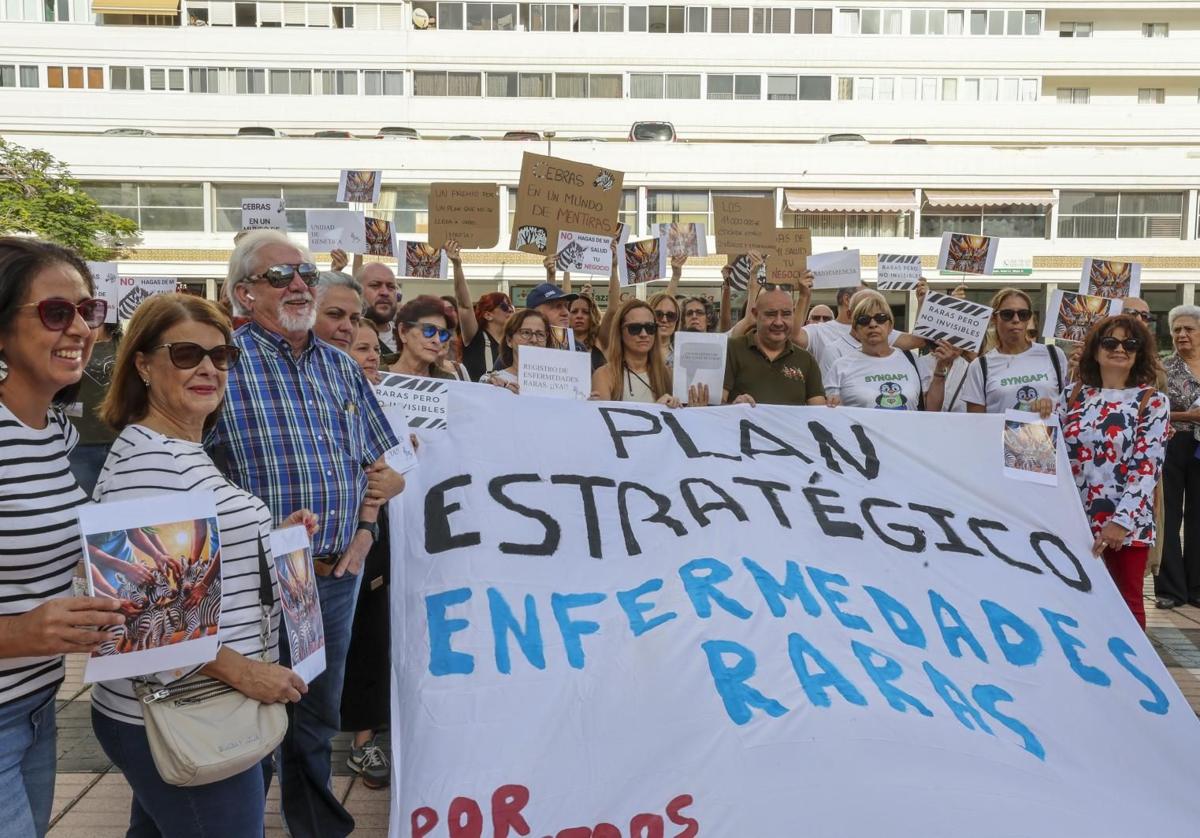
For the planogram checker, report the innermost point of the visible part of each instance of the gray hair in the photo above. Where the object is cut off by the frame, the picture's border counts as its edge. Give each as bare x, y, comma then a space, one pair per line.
1182, 311
245, 255
337, 279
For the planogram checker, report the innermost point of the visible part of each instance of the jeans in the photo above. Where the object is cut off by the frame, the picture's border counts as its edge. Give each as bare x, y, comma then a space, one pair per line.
86, 462
229, 808
28, 735
310, 808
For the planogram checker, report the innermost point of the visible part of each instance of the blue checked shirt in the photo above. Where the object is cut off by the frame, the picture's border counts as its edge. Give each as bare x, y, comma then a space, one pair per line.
298, 432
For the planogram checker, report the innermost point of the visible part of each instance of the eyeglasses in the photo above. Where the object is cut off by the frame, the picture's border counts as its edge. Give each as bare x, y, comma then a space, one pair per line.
1146, 317
1007, 314
529, 335
635, 329
666, 316
1111, 343
280, 276
866, 319
186, 355
57, 315
428, 330
819, 318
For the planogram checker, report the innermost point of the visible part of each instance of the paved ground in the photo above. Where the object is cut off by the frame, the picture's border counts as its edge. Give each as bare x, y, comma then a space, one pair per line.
91, 799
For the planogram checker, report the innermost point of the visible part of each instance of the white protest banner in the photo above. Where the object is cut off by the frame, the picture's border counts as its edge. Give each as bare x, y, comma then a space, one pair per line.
644, 261
1112, 279
699, 359
1070, 316
135, 290
557, 373
153, 552
264, 214
292, 554
836, 269
675, 622
421, 260
1030, 447
336, 229
685, 239
584, 253
425, 401
897, 272
967, 253
960, 323
359, 186
104, 274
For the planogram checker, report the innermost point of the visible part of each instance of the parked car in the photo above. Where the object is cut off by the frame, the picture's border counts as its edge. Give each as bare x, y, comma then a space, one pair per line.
652, 132
258, 131
396, 132
334, 135
129, 132
522, 135
464, 137
911, 141
843, 138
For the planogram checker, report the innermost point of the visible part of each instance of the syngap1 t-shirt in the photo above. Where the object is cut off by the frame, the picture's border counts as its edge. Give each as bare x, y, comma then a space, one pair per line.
1014, 382
890, 383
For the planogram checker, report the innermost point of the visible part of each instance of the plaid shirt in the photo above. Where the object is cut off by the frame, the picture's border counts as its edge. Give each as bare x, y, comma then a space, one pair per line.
298, 433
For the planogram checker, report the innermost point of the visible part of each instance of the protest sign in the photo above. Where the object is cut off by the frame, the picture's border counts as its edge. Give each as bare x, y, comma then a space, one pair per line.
292, 554
468, 213
153, 552
104, 274
556, 194
423, 400
680, 617
264, 214
744, 225
836, 269
645, 261
699, 359
1070, 316
684, 239
1030, 447
968, 254
359, 186
584, 253
380, 239
897, 272
739, 272
135, 290
789, 261
420, 260
1108, 278
557, 373
336, 229
960, 323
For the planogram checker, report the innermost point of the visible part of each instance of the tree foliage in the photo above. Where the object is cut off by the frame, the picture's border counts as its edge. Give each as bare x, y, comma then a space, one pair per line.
38, 195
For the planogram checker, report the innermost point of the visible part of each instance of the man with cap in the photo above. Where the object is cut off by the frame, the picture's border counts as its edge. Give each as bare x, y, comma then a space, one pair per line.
554, 304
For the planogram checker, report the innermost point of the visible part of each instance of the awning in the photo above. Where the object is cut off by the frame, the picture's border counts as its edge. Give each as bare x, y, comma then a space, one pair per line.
135, 7
849, 200
988, 198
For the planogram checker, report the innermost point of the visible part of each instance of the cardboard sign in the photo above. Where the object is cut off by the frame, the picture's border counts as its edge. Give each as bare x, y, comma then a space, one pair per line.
1107, 278
684, 239
468, 213
1071, 316
264, 214
105, 277
135, 290
836, 269
584, 253
556, 194
379, 236
330, 230
744, 225
897, 272
699, 359
644, 261
968, 253
555, 373
420, 260
960, 323
788, 264
359, 186
291, 553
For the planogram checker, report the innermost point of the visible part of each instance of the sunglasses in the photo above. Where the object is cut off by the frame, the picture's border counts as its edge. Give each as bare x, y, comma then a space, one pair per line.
505, 305
428, 330
635, 329
1146, 317
1008, 314
867, 319
188, 356
668, 316
280, 276
57, 315
1128, 344
819, 318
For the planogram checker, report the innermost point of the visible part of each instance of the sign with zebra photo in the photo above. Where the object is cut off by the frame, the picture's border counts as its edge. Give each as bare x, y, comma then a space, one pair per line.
423, 400
291, 552
161, 556
897, 272
960, 323
584, 253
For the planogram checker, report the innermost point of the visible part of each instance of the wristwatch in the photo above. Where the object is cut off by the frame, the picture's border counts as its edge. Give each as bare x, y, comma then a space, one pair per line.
371, 527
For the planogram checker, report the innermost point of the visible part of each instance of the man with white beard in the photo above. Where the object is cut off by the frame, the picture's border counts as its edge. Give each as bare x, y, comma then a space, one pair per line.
300, 428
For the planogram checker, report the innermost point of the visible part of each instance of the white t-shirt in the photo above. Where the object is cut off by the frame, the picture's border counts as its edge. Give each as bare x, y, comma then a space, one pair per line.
1015, 382
952, 400
862, 380
831, 340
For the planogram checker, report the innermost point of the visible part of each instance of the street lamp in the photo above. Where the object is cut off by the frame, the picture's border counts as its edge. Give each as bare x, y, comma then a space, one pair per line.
550, 135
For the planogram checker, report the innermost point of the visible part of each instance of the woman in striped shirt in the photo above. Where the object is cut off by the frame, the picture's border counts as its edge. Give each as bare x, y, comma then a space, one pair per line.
167, 386
47, 317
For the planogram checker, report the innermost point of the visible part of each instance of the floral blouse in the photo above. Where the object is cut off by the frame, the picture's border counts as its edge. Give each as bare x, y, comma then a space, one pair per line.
1116, 441
1182, 388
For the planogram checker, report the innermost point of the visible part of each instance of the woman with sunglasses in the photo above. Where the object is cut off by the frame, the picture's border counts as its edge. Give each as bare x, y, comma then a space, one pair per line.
1114, 424
1018, 374
167, 387
48, 315
525, 328
423, 331
878, 375
635, 370
666, 314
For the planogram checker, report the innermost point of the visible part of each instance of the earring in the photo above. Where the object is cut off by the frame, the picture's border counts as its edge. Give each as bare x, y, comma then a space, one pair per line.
146, 381
3, 367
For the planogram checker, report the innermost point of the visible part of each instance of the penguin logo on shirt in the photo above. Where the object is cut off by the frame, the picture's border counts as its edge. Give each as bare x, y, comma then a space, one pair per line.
891, 397
1026, 396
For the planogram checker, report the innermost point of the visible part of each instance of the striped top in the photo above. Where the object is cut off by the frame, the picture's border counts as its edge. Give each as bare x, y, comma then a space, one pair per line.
39, 534
143, 462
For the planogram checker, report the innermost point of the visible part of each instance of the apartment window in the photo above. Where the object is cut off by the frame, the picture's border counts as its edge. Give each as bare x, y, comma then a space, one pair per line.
605, 86
245, 14
845, 88
1074, 95
227, 202
848, 21
407, 207
571, 85
916, 22
813, 22
126, 78
734, 20
154, 206
200, 79
339, 82
75, 78
534, 85
815, 88
864, 88
383, 82
1155, 30
1075, 29
450, 16
683, 86
1151, 95
247, 81
949, 90
937, 22
343, 17
955, 22
637, 19
697, 19
1126, 215
657, 86
1008, 221
437, 83
747, 87
1014, 22
664, 206
782, 88
978, 19
556, 17
851, 224
1033, 23
601, 18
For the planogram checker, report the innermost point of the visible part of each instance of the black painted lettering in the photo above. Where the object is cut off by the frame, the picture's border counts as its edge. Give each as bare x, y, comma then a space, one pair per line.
770, 490
978, 525
822, 511
619, 434
700, 511
685, 441
941, 517
916, 536
781, 449
1081, 582
868, 468
587, 488
662, 505
438, 537
549, 544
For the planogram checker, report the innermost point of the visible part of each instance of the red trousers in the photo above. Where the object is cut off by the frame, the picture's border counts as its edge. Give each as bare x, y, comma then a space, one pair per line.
1127, 566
